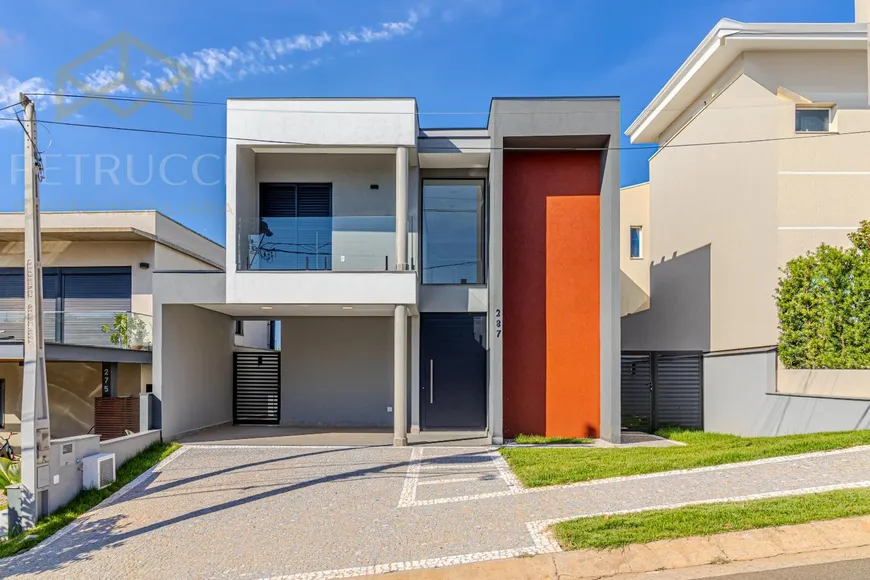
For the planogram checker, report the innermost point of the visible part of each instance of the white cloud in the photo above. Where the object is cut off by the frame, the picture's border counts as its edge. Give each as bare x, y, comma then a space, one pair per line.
10, 87
386, 31
255, 57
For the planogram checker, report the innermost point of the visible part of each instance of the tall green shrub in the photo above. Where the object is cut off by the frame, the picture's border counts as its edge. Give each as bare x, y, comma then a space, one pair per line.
823, 300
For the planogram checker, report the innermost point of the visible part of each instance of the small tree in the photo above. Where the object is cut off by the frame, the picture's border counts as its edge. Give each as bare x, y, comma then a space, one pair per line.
823, 300
127, 330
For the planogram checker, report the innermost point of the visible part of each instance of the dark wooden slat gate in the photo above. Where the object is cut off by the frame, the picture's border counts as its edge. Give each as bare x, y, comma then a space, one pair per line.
662, 389
256, 388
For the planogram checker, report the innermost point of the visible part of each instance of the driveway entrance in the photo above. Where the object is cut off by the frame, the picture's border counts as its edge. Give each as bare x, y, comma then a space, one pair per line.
308, 513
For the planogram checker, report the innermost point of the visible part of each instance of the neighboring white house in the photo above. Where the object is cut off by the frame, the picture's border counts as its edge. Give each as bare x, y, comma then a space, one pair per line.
763, 136
98, 270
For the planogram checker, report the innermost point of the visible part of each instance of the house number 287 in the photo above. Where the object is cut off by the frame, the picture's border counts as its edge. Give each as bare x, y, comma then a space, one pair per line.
498, 322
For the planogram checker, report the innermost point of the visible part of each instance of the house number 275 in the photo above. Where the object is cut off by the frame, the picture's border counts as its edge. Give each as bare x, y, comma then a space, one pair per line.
498, 322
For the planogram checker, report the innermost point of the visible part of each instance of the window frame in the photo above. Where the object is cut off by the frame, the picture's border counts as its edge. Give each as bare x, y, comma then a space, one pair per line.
815, 107
484, 234
639, 242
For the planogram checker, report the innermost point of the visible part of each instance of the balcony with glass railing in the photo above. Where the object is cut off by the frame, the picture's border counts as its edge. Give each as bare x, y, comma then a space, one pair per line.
326, 244
110, 329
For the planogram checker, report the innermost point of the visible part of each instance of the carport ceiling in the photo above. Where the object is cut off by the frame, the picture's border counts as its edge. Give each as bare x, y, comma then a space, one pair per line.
273, 311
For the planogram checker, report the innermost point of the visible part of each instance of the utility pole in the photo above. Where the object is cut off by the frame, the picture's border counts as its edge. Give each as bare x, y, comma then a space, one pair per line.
35, 434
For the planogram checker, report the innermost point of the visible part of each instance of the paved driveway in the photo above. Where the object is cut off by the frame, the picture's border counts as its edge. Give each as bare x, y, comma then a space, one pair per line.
306, 513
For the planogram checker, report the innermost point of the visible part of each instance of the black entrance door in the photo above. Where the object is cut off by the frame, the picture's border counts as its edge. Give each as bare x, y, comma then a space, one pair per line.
453, 371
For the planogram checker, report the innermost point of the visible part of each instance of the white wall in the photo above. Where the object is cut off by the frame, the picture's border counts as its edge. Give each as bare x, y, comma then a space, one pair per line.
330, 122
634, 272
256, 334
194, 368
337, 371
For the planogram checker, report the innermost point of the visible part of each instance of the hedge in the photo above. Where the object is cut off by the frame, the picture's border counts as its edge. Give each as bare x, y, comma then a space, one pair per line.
823, 300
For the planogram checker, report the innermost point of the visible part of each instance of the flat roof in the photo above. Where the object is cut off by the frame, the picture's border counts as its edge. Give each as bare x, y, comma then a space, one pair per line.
117, 226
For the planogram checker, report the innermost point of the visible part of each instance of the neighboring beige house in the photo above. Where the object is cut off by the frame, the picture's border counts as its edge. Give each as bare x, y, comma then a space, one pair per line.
634, 253
97, 266
764, 135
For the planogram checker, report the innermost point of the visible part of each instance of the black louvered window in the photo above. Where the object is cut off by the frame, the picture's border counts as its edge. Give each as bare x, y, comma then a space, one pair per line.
295, 230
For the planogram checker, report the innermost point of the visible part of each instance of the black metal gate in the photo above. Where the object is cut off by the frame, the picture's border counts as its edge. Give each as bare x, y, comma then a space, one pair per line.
257, 388
662, 389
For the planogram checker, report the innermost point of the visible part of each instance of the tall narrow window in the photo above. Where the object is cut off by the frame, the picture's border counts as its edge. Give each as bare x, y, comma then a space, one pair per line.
454, 230
240, 327
295, 230
636, 242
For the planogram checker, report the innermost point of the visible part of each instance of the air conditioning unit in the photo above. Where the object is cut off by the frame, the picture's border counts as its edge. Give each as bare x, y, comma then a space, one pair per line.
99, 470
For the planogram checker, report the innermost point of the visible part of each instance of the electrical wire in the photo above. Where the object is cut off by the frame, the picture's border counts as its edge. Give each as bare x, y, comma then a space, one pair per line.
198, 103
166, 132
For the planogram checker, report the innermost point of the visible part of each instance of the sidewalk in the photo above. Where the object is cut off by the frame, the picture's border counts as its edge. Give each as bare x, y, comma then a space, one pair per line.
847, 538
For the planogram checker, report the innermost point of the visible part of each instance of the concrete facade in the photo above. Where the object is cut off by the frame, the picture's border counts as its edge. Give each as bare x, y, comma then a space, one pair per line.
735, 192
740, 397
337, 371
350, 331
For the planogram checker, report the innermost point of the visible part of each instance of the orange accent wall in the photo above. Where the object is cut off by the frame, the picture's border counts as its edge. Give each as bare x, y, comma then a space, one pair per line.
551, 265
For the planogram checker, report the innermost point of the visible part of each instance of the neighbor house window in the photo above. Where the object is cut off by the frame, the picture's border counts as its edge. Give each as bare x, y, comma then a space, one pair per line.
636, 241
240, 328
454, 230
812, 120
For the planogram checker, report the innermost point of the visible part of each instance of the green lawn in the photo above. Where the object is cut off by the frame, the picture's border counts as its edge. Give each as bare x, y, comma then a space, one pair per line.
536, 466
705, 520
86, 500
541, 440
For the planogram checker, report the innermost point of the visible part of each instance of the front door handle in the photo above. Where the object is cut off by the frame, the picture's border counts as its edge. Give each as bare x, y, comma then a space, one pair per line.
431, 381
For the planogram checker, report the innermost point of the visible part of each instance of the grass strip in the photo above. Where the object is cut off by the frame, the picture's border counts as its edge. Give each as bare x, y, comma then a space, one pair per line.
704, 520
541, 440
86, 500
537, 467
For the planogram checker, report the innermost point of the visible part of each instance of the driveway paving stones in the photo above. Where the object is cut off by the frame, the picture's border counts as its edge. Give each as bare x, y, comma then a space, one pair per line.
310, 512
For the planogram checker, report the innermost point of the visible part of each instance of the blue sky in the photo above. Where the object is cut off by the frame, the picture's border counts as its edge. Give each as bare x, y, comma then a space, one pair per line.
452, 55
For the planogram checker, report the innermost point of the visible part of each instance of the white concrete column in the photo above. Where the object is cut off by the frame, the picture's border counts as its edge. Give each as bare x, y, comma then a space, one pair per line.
400, 377
402, 208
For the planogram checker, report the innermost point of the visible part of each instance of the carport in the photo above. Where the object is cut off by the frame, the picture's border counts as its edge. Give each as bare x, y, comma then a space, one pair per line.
331, 382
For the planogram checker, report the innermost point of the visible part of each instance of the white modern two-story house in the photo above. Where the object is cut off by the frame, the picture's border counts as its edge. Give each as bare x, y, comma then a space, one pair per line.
452, 279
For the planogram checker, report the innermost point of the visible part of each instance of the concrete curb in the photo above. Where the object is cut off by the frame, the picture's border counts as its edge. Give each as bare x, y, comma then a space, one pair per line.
750, 545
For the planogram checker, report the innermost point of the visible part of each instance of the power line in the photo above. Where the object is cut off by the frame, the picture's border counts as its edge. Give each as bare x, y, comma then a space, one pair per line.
198, 103
9, 106
469, 148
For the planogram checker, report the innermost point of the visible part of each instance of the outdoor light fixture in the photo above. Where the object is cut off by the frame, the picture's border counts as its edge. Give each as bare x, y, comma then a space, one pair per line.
144, 265
265, 308
347, 307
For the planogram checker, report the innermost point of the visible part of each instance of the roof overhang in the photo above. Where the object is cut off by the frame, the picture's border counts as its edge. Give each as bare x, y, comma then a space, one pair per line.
453, 148
727, 41
96, 234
